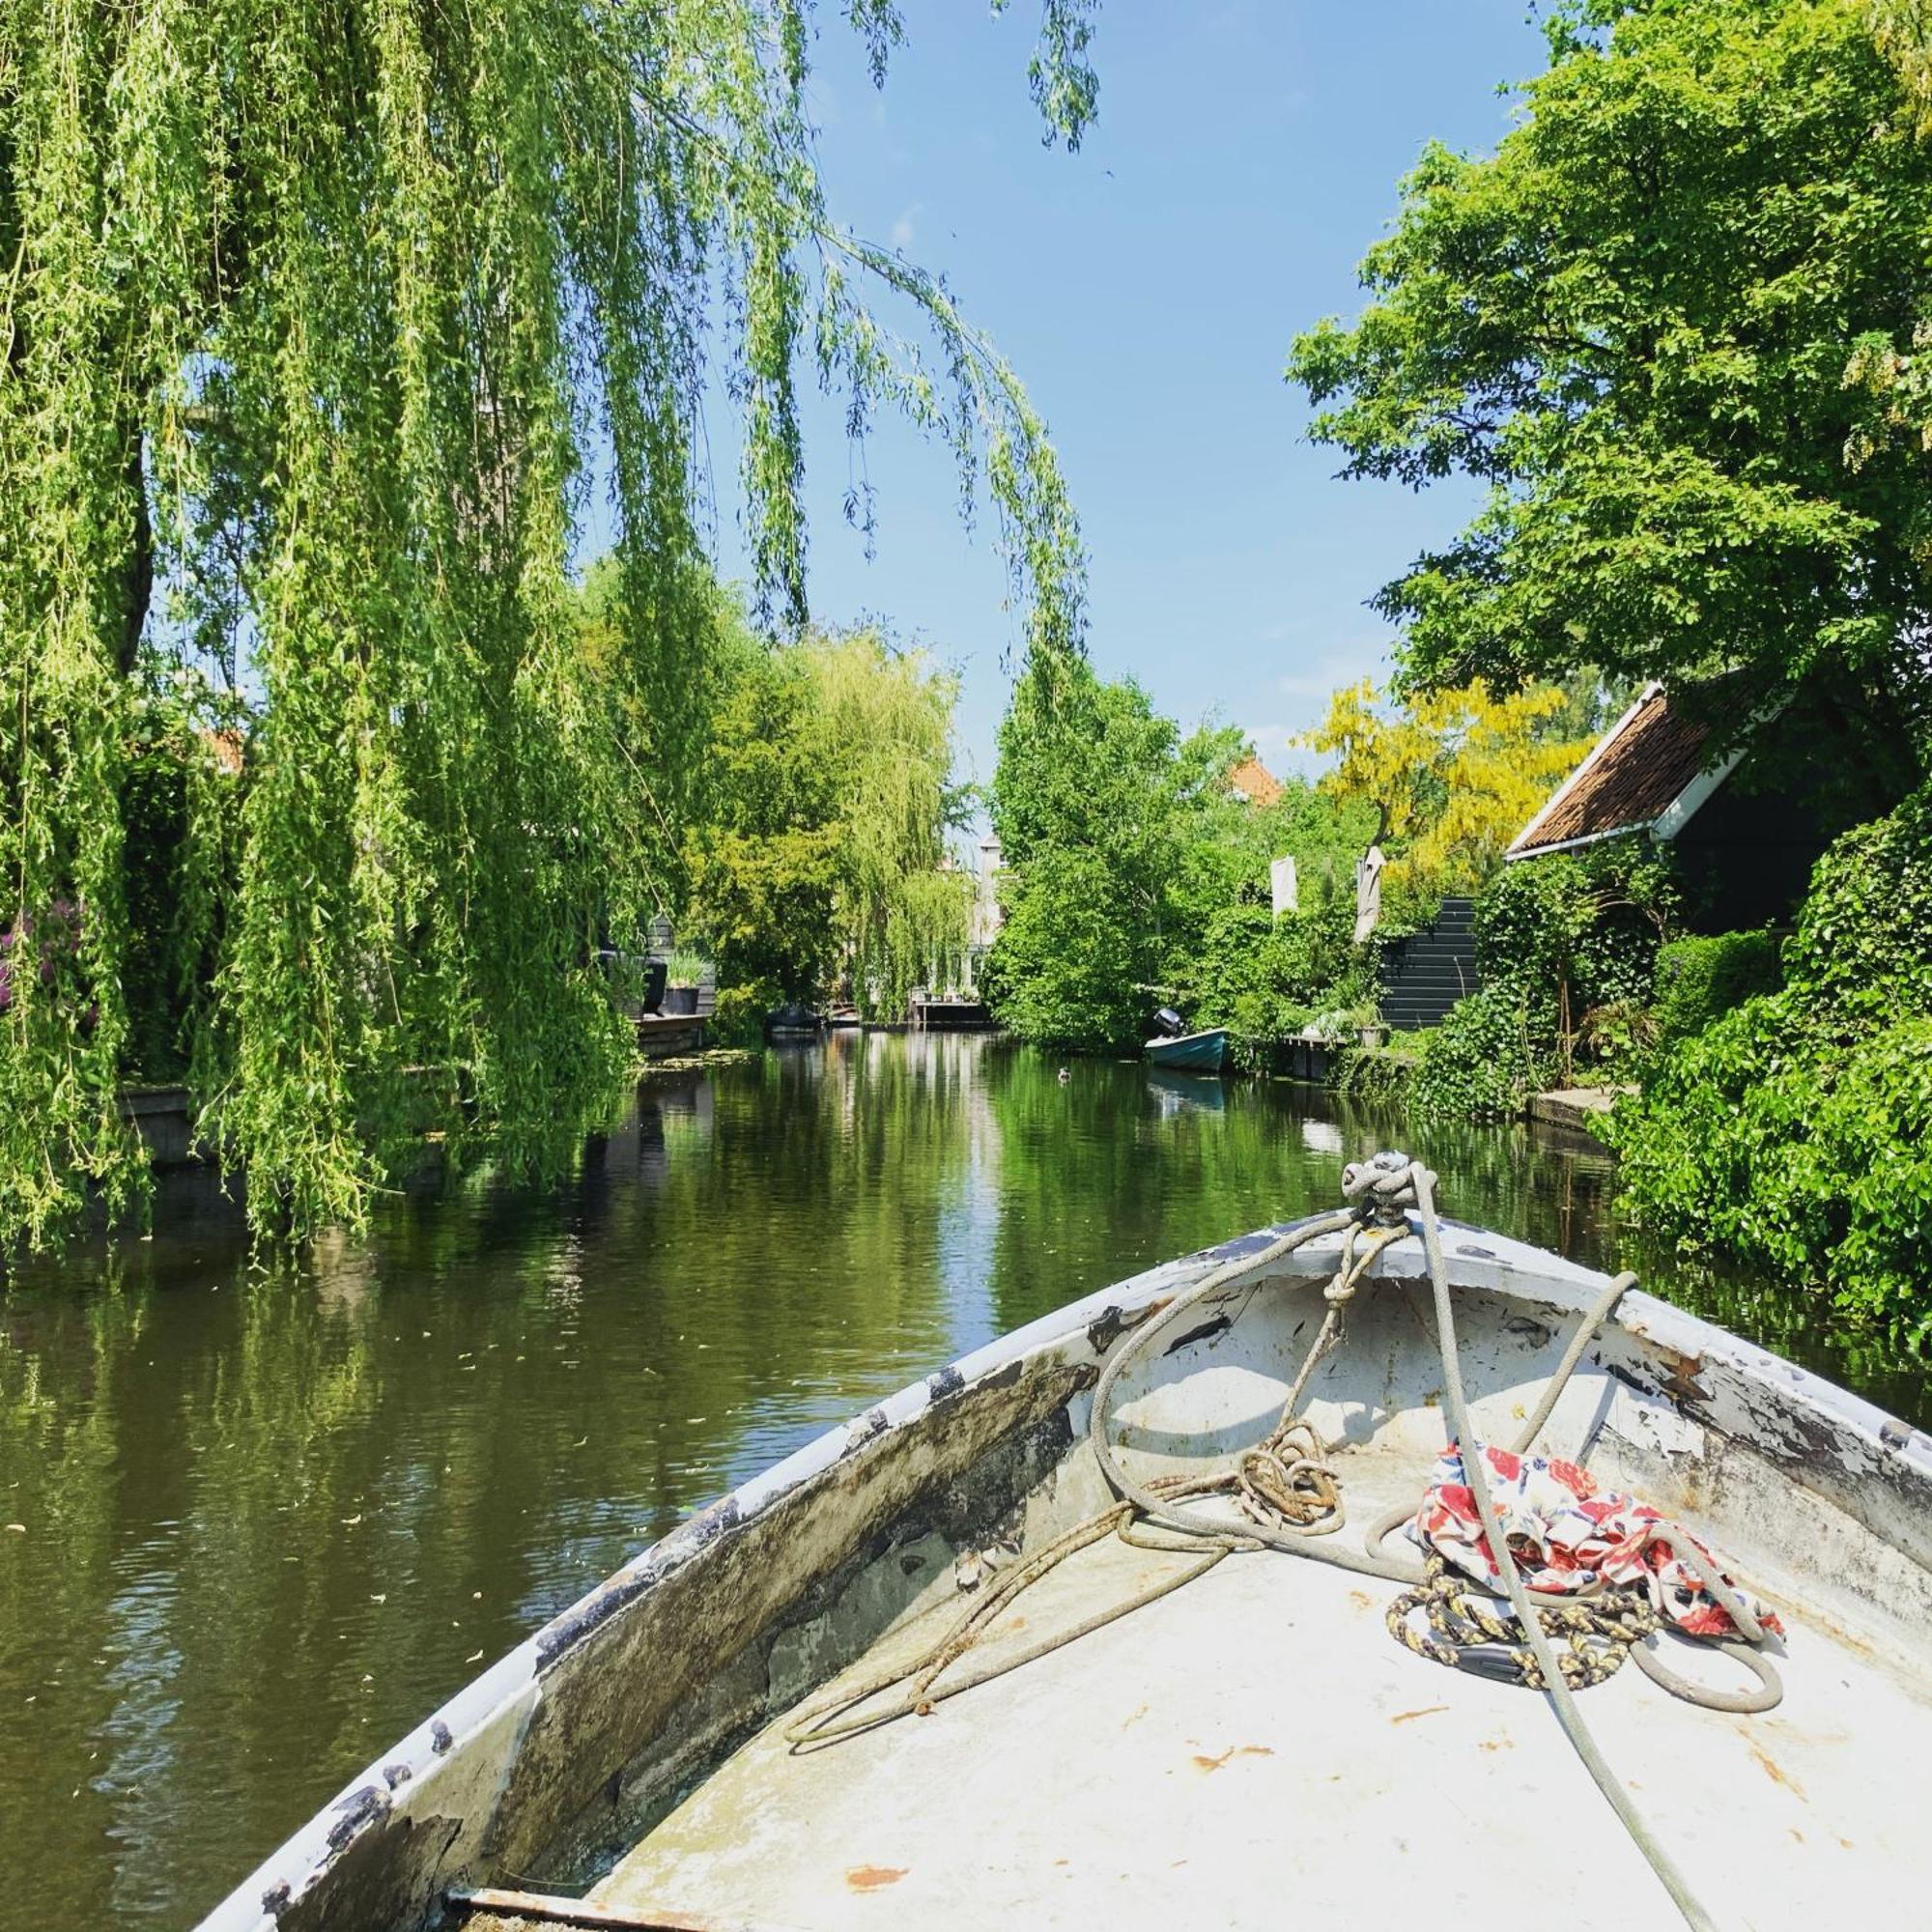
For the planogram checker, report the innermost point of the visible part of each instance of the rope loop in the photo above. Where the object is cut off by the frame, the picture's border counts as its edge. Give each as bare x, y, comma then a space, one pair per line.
1383, 1188
1468, 1632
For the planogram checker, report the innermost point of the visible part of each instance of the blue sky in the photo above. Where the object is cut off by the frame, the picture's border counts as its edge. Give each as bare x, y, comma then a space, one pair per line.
1146, 289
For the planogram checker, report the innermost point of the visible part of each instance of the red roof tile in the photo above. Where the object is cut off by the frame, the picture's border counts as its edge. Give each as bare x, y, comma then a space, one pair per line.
1255, 782
1638, 771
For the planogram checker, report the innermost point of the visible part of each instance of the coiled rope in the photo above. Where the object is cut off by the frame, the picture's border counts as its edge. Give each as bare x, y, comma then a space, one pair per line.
1291, 1501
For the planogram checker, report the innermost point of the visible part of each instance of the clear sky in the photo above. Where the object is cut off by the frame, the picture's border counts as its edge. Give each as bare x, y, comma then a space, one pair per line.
1146, 289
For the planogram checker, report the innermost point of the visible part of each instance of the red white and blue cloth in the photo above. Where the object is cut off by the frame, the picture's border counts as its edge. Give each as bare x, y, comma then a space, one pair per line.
1567, 1535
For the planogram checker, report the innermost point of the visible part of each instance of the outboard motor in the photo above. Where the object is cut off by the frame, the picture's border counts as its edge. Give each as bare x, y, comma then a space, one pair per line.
1170, 1022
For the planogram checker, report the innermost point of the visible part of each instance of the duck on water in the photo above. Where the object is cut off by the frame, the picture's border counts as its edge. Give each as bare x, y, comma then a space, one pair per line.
1039, 1638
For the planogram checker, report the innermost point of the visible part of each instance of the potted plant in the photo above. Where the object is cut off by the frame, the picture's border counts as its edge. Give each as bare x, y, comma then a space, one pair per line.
681, 975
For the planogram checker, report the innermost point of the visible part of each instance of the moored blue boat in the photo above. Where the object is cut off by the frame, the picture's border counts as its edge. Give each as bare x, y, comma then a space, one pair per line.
1198, 1052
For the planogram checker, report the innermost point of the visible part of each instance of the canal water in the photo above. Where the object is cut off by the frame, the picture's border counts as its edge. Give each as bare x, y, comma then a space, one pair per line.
259, 1523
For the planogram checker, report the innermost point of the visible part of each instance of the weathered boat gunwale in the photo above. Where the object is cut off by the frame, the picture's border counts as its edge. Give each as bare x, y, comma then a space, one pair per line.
400, 1822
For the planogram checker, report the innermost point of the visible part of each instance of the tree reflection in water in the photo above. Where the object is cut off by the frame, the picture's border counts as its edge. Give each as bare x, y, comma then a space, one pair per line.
273, 1514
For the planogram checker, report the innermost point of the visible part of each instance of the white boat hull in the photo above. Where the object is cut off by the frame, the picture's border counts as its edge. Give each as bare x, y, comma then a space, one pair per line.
1254, 1745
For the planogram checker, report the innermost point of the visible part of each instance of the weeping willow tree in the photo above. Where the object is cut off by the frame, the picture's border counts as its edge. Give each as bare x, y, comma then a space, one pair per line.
322, 325
820, 853
886, 717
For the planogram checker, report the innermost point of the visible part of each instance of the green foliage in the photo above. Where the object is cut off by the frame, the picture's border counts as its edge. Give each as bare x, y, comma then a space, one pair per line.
1263, 978
1068, 969
829, 803
1136, 878
1793, 1131
1700, 978
922, 940
885, 737
1493, 1048
1566, 947
1103, 813
1863, 946
1379, 1076
316, 324
1631, 324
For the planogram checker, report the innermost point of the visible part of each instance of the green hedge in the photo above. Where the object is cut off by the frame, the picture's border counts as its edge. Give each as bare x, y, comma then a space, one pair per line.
1794, 1132
1702, 979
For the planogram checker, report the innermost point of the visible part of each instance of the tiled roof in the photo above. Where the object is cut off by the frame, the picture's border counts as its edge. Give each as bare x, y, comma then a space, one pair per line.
1255, 782
227, 745
1640, 768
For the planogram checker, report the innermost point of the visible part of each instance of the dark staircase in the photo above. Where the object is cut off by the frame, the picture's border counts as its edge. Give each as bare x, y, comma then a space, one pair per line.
1425, 975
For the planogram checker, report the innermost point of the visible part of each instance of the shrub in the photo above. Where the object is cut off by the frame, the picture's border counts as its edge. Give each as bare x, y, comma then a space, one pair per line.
739, 1020
1700, 979
1864, 943
1794, 1131
1489, 1053
1777, 1141
1567, 949
1261, 977
1380, 1076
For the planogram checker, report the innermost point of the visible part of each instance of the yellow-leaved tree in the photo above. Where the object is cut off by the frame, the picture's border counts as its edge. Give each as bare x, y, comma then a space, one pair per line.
1454, 775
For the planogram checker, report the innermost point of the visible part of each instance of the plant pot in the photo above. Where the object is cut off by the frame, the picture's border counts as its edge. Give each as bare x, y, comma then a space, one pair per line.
679, 1003
1372, 1036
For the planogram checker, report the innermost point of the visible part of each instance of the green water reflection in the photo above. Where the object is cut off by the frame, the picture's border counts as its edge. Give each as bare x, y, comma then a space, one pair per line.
270, 1522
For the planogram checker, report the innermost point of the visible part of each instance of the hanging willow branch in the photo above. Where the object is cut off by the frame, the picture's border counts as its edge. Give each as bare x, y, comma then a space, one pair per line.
319, 326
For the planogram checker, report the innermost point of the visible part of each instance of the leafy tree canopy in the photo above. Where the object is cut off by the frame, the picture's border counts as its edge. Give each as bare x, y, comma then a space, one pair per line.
822, 848
316, 323
1107, 817
1138, 876
1451, 776
1633, 325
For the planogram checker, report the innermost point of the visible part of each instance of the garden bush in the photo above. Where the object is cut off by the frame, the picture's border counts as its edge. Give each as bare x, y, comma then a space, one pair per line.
1701, 977
1262, 977
1567, 949
1794, 1132
1487, 1054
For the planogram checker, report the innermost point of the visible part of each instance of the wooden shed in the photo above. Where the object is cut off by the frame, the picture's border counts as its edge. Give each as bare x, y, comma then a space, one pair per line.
1745, 850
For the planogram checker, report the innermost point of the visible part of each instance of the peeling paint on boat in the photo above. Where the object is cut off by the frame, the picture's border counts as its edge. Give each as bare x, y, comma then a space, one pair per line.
550, 1751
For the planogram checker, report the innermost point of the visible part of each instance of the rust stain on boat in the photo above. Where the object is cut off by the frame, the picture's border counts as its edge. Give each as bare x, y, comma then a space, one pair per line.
869, 1878
1427, 1711
1771, 1767
1681, 1384
1208, 1764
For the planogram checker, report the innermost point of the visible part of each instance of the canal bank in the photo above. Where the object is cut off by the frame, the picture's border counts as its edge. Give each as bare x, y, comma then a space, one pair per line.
266, 1520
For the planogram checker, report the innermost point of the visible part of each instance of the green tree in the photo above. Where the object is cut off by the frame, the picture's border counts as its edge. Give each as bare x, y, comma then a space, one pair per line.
312, 323
1121, 842
764, 872
885, 726
822, 847
1631, 325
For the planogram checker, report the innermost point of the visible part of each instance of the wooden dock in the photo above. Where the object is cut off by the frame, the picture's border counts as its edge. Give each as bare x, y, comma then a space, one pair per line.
666, 1035
950, 1016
